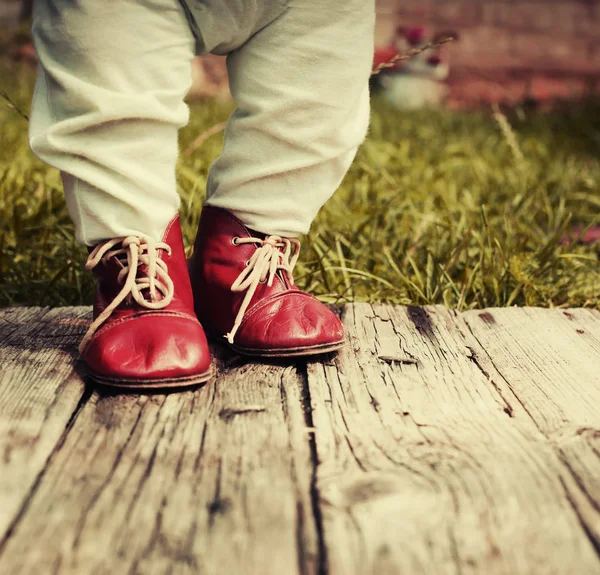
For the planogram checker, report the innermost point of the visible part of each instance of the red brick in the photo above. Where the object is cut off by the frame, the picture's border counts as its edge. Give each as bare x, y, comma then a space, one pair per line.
550, 53
564, 18
456, 13
468, 91
590, 26
523, 15
496, 35
471, 91
546, 88
595, 55
412, 8
483, 47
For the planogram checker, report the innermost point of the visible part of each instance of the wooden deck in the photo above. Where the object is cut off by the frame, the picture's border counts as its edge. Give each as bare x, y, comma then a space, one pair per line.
434, 443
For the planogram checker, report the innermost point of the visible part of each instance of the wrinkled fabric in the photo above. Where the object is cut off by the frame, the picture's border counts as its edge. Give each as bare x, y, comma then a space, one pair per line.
109, 101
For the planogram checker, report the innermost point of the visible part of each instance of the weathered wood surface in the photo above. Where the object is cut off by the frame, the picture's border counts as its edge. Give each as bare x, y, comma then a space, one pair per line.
436, 442
427, 464
39, 393
194, 482
552, 375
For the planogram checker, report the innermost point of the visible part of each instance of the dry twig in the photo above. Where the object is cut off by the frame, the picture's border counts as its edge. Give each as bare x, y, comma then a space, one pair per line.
12, 105
410, 54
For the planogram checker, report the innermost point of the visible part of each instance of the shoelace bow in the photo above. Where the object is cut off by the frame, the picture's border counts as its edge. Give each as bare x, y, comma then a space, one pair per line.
264, 264
138, 251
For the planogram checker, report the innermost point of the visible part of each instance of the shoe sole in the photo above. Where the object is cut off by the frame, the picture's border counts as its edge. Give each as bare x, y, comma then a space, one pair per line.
142, 384
289, 352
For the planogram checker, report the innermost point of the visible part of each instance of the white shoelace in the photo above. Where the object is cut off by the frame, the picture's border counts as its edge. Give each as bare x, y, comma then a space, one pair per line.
261, 267
139, 251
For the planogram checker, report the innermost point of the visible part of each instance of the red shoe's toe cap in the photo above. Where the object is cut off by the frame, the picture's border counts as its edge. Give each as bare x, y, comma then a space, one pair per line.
149, 347
290, 321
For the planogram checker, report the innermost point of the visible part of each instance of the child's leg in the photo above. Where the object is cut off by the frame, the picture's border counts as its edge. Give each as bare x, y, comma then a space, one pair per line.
301, 87
108, 102
107, 106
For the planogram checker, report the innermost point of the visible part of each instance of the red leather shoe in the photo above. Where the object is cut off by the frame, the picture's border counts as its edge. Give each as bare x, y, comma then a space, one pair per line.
244, 291
145, 333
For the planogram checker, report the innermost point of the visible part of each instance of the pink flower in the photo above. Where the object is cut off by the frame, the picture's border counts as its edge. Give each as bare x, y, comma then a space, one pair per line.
414, 36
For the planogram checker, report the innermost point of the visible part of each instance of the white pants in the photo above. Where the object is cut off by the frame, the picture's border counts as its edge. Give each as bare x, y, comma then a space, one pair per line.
109, 100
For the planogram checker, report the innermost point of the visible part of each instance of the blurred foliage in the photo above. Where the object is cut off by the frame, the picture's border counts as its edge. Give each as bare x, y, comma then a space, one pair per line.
466, 209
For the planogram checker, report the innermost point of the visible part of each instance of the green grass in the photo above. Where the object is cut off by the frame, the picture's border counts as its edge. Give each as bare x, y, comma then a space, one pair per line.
462, 209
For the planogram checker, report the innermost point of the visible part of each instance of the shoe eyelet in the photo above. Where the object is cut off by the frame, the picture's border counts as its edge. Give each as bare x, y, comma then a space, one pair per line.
247, 263
234, 241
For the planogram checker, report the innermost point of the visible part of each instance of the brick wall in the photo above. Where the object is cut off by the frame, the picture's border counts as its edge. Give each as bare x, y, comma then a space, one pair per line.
547, 48
507, 49
10, 10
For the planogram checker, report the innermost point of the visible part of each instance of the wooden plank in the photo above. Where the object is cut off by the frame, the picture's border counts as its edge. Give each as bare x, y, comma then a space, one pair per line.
424, 466
213, 480
440, 450
39, 393
550, 360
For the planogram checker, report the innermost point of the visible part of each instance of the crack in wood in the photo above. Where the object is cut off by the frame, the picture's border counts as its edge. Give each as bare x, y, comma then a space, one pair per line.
500, 373
576, 509
87, 393
211, 404
401, 360
6, 335
217, 505
315, 495
591, 535
508, 409
94, 499
151, 460
442, 479
301, 551
228, 413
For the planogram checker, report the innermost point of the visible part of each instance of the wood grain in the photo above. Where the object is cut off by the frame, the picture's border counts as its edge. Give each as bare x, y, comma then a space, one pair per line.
213, 480
425, 465
434, 443
550, 360
39, 394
